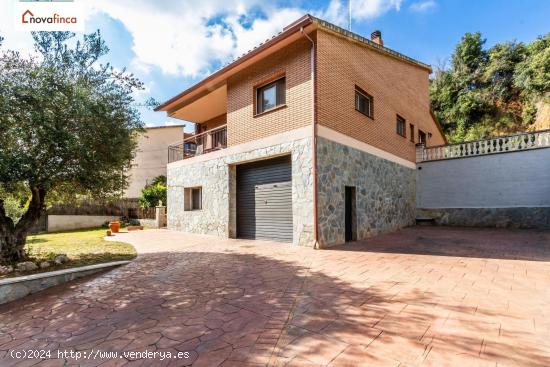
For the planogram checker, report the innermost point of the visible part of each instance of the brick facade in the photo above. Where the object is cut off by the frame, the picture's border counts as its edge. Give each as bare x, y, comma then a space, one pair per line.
397, 88
294, 63
351, 150
212, 123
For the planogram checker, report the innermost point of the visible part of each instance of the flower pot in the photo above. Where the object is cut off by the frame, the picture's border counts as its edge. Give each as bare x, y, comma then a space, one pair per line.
114, 226
109, 233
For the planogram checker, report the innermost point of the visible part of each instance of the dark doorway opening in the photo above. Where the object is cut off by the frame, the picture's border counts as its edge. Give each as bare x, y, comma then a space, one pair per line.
350, 214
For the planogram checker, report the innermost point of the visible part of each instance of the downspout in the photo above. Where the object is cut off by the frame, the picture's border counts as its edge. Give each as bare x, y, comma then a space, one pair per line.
313, 68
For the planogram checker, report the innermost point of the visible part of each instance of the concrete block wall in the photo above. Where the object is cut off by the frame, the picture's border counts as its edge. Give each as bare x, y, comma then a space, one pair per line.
506, 190
69, 222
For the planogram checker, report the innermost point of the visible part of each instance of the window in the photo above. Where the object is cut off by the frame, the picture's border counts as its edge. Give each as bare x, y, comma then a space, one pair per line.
421, 137
270, 96
411, 128
189, 148
192, 198
363, 102
401, 126
196, 201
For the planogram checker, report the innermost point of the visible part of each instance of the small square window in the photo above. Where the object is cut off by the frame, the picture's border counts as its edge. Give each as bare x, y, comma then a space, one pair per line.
411, 127
363, 102
270, 96
401, 126
192, 198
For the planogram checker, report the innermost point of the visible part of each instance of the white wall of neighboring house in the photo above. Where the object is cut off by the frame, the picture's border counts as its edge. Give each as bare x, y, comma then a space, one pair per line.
151, 157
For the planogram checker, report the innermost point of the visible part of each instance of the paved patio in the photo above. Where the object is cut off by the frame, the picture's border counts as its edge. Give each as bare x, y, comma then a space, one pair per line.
424, 296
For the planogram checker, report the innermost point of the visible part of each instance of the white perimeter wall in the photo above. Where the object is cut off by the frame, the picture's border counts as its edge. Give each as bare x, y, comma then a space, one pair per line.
68, 222
515, 179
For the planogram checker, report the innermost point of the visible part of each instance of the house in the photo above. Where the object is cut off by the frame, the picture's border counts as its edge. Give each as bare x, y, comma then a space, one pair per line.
308, 138
151, 157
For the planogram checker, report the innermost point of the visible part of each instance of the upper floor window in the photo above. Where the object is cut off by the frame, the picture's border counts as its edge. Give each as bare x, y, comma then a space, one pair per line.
421, 137
270, 96
411, 128
401, 126
363, 102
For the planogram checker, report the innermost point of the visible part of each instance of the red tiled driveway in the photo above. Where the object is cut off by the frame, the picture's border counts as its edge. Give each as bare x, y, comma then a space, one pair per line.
423, 296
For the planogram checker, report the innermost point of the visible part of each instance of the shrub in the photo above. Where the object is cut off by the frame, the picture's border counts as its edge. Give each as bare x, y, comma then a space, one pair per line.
152, 195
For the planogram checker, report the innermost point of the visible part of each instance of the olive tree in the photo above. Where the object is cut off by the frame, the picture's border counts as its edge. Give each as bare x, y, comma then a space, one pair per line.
67, 128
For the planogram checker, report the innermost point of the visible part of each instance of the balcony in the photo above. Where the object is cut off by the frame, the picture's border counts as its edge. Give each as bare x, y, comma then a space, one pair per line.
203, 143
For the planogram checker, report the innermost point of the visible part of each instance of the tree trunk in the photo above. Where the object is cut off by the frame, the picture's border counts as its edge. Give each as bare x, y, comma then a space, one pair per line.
13, 236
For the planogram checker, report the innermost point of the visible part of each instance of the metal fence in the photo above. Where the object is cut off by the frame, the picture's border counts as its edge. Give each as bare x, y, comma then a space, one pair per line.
208, 141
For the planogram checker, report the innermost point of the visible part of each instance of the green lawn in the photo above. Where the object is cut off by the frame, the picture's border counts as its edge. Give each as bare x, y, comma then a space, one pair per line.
83, 247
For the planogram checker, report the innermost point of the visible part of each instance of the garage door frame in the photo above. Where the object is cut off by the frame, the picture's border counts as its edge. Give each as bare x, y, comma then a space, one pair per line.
264, 199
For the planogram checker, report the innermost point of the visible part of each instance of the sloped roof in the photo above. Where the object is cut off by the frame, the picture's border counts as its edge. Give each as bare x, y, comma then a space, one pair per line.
301, 23
356, 37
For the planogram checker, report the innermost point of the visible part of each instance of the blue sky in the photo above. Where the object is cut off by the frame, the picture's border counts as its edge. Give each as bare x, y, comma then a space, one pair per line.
172, 44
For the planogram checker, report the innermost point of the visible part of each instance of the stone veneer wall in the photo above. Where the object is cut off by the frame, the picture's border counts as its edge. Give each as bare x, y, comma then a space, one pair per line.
385, 192
518, 217
217, 179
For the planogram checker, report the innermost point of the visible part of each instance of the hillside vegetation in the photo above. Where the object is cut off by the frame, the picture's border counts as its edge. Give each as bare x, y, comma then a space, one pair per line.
489, 92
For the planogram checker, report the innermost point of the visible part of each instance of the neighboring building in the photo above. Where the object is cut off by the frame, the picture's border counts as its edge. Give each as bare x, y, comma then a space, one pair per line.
151, 157
308, 138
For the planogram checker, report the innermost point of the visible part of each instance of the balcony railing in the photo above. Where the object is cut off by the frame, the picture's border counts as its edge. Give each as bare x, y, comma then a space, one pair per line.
501, 144
205, 142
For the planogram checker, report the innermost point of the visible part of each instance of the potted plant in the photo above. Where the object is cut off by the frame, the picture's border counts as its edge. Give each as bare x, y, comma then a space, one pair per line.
114, 226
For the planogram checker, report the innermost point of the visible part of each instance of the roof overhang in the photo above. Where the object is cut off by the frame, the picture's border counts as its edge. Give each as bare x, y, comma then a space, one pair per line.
194, 103
205, 107
215, 83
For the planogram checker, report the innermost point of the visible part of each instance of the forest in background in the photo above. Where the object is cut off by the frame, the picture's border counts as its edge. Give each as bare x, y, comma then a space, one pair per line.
486, 92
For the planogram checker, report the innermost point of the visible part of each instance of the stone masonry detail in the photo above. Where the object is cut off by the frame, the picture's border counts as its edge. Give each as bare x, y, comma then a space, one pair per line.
513, 217
216, 177
385, 192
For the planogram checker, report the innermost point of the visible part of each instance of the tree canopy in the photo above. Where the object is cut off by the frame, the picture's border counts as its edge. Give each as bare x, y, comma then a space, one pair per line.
67, 128
487, 92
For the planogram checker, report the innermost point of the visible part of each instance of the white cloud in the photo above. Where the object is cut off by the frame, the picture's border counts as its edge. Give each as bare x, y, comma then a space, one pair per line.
336, 12
13, 40
190, 38
369, 9
423, 6
178, 41
246, 38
